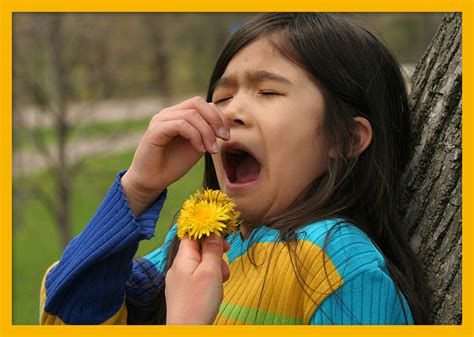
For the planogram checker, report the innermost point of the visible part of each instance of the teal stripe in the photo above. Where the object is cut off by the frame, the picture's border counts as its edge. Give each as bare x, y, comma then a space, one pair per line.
256, 316
370, 298
159, 256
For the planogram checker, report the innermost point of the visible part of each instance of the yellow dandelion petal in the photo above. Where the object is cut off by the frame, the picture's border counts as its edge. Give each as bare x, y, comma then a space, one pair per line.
205, 212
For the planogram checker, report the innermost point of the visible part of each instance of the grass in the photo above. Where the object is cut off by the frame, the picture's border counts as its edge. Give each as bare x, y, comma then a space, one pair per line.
23, 137
36, 242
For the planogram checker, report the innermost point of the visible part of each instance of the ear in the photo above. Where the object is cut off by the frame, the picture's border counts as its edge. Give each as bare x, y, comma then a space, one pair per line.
363, 130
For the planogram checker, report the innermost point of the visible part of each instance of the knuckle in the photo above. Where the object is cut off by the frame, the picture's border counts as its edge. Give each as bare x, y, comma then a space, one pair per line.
192, 113
182, 123
164, 111
155, 119
154, 128
208, 273
198, 99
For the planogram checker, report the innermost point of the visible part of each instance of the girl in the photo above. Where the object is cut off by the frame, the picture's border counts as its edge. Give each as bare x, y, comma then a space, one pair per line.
308, 131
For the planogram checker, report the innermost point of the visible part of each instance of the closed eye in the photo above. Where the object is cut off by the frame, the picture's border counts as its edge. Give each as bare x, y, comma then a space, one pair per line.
262, 93
222, 100
269, 93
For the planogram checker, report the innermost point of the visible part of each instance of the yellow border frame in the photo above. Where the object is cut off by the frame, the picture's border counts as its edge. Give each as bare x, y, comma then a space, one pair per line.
7, 7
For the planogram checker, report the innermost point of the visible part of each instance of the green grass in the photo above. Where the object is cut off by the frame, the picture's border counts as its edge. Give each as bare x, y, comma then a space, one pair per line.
36, 242
23, 137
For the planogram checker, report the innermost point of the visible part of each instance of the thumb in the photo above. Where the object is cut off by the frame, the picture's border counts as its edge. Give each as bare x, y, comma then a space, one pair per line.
212, 250
225, 271
188, 257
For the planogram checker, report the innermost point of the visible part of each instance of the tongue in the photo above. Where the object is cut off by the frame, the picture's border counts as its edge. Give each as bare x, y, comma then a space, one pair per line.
247, 170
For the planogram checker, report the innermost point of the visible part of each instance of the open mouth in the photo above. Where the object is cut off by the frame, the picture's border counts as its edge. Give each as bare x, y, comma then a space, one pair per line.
241, 167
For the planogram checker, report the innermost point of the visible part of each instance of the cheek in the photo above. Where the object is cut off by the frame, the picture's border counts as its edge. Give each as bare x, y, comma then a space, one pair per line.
296, 138
299, 155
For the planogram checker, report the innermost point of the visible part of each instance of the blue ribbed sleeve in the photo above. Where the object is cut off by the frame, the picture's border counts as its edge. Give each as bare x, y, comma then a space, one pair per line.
368, 298
149, 271
87, 285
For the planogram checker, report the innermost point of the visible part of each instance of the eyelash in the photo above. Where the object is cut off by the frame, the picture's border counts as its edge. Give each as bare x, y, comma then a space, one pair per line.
263, 93
222, 100
269, 93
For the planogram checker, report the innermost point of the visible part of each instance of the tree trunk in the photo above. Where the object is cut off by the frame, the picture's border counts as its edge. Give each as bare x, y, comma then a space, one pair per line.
431, 200
161, 77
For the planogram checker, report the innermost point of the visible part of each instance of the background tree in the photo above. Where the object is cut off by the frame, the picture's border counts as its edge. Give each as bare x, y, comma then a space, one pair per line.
50, 56
432, 199
160, 48
50, 90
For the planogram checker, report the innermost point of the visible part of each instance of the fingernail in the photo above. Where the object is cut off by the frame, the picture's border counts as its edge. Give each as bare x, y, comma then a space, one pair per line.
203, 148
214, 238
215, 148
224, 133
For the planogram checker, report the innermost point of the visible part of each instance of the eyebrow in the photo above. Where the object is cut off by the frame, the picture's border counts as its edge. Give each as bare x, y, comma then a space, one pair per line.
252, 76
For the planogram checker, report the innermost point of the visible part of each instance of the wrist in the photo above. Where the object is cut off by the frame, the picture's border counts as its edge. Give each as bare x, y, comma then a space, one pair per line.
138, 199
181, 319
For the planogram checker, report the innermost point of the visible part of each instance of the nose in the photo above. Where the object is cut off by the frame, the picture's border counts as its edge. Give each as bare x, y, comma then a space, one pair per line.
236, 112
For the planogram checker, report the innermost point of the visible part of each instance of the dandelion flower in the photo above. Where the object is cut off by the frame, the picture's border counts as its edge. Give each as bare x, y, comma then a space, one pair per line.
205, 212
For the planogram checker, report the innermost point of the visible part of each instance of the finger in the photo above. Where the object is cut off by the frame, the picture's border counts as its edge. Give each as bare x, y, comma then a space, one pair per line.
226, 245
188, 257
210, 113
174, 128
225, 121
193, 117
212, 250
225, 271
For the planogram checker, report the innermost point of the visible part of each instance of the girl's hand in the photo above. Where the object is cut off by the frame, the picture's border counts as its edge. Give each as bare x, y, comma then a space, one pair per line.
193, 284
175, 140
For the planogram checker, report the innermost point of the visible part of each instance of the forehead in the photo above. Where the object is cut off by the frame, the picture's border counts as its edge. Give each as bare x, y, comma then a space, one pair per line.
262, 56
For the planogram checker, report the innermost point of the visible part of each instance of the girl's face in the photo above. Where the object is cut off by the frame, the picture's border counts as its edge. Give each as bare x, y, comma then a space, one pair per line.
275, 113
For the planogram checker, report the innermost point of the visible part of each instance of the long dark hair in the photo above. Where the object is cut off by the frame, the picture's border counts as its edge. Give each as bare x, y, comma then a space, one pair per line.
358, 76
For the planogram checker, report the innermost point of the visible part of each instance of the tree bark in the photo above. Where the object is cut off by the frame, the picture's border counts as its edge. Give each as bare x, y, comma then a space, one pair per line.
431, 199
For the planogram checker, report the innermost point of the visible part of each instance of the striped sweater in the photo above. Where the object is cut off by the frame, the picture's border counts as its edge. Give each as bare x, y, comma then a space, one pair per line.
341, 277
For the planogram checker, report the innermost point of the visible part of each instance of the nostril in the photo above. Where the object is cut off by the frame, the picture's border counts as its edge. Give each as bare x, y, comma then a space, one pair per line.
238, 121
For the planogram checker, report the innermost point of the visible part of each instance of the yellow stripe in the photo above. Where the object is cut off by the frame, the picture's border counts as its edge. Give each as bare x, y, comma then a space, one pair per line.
46, 318
282, 293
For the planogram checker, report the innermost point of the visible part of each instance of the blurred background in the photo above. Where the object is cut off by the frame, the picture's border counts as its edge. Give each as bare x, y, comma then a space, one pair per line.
85, 86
